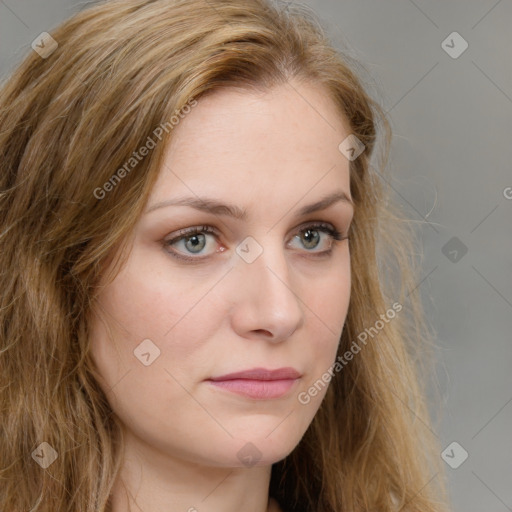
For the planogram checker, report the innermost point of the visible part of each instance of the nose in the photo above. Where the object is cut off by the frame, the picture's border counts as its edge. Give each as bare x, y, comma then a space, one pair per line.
265, 303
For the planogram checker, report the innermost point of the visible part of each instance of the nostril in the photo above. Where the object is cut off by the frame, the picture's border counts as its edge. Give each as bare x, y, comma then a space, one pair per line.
263, 331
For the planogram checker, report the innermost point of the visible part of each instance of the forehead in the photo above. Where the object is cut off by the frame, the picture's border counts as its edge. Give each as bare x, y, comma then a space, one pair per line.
239, 144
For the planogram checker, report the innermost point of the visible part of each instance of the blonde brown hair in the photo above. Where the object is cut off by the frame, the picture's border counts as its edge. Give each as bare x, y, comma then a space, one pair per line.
68, 121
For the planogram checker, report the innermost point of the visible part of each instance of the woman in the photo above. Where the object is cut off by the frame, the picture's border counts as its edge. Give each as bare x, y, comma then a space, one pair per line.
201, 304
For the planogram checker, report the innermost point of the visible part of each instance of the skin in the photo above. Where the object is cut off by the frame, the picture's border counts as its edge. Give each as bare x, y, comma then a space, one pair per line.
270, 153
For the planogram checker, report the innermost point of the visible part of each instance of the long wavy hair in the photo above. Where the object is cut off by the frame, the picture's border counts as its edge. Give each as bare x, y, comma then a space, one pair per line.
70, 119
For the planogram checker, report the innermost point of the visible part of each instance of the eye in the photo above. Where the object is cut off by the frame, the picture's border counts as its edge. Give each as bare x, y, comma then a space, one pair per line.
194, 241
310, 237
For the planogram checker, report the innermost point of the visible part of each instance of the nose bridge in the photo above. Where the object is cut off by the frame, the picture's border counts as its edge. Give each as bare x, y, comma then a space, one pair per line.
267, 296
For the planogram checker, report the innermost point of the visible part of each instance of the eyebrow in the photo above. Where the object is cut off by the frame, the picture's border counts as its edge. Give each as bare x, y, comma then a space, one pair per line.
215, 207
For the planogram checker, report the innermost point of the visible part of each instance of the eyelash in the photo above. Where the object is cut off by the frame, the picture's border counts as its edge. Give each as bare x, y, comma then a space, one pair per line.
336, 236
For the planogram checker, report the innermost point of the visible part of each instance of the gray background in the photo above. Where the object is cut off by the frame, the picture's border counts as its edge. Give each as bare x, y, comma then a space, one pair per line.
451, 162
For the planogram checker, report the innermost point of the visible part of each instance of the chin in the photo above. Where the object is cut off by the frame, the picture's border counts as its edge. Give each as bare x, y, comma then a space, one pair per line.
264, 449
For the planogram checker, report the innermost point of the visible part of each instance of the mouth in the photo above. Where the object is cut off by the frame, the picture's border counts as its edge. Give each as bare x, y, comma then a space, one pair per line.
258, 383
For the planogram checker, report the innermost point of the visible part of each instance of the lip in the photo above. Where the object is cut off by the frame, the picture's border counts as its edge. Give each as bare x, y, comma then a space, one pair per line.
258, 383
261, 374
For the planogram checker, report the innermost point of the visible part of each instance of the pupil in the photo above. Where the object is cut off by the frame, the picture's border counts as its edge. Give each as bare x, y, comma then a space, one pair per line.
196, 241
307, 235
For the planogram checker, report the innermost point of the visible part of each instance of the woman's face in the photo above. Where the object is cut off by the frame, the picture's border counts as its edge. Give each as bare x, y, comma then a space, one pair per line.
258, 292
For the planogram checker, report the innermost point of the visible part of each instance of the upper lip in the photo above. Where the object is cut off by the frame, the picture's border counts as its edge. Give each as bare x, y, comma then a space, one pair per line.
261, 374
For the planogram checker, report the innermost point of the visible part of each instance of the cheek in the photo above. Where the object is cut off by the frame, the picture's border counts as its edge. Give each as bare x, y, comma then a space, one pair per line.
149, 303
136, 390
177, 317
327, 311
327, 301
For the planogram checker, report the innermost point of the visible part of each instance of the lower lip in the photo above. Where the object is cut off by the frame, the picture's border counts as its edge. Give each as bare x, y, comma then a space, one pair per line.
260, 389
